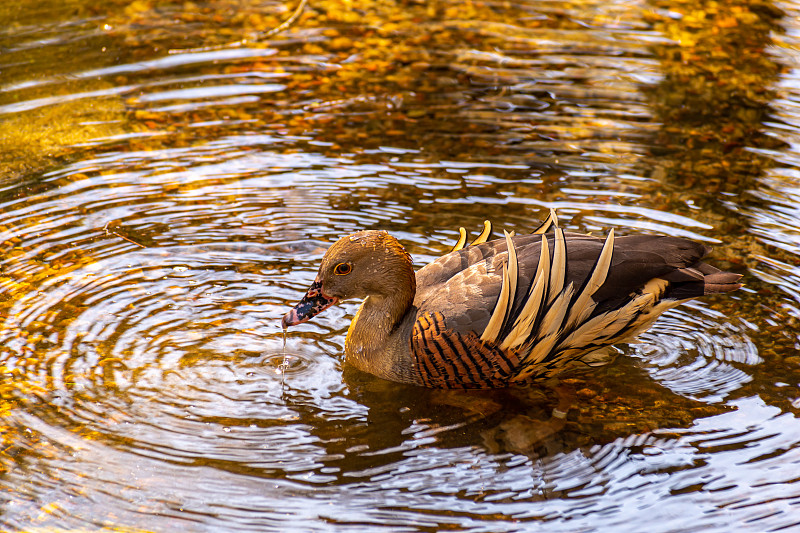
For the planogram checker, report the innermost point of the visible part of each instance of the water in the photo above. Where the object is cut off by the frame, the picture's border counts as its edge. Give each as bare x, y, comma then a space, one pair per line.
170, 181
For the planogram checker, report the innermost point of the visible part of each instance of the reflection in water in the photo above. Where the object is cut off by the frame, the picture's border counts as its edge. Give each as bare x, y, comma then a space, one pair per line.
165, 196
723, 128
712, 111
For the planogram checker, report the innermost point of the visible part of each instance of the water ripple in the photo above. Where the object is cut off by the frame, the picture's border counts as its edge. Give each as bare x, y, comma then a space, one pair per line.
170, 185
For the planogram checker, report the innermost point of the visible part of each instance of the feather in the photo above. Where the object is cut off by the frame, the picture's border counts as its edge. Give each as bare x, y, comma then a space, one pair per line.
558, 270
647, 318
548, 334
513, 276
462, 239
583, 305
554, 318
611, 324
551, 220
505, 301
513, 273
484, 236
533, 304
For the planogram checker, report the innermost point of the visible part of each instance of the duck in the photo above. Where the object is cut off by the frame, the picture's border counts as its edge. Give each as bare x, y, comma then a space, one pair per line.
504, 312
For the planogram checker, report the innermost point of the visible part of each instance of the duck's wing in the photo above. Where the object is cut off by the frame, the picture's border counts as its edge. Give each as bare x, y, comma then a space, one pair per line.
466, 286
548, 303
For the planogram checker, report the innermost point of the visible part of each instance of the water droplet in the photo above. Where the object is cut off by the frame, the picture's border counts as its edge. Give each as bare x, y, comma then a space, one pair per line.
285, 363
226, 429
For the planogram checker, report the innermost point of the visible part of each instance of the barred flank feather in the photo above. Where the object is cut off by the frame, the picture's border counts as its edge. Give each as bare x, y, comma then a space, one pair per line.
446, 359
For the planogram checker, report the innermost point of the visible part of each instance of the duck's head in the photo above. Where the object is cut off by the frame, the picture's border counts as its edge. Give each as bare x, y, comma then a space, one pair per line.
367, 263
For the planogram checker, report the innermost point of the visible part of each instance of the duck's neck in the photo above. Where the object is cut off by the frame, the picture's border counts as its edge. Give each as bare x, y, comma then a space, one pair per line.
377, 341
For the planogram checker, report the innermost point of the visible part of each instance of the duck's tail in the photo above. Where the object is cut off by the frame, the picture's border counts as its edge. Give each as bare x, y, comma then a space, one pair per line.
720, 282
701, 279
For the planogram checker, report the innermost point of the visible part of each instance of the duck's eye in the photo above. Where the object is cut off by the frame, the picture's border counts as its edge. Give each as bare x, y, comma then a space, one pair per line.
343, 269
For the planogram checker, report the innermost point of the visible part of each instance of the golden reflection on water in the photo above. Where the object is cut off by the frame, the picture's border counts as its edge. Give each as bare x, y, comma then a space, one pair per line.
170, 183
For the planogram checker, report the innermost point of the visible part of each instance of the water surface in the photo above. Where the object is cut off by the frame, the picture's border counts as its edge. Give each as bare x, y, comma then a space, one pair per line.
172, 174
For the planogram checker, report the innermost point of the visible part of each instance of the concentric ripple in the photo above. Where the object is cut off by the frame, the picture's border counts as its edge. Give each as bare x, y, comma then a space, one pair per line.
152, 346
693, 353
171, 174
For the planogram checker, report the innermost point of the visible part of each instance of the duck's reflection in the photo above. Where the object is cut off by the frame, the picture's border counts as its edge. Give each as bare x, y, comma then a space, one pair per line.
559, 416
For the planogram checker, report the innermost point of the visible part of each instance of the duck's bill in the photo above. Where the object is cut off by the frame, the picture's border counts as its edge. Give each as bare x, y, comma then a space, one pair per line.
312, 304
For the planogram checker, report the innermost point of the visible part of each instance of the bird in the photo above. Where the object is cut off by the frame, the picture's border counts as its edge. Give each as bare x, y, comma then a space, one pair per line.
504, 312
